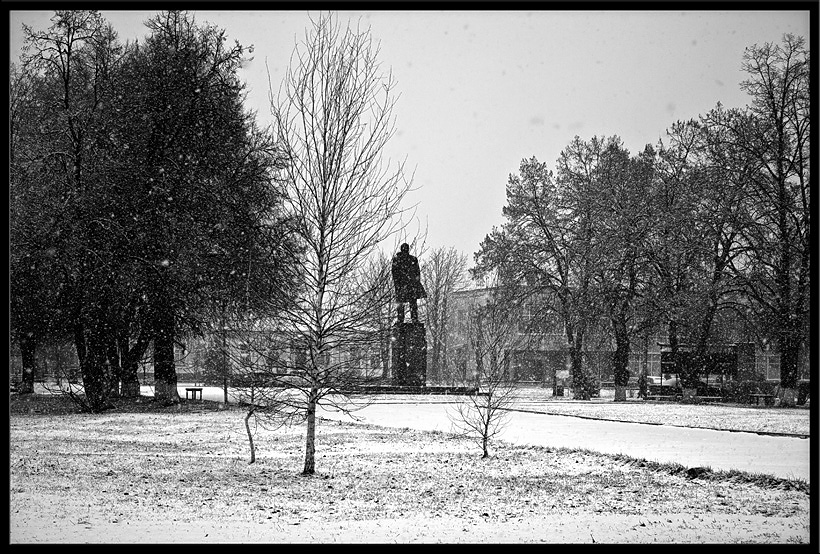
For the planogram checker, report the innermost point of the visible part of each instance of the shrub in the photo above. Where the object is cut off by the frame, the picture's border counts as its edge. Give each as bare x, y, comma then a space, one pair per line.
803, 389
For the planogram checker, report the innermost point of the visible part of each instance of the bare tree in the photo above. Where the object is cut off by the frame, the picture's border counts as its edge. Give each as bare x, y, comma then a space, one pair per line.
249, 386
332, 119
622, 185
442, 273
549, 245
774, 134
377, 275
493, 337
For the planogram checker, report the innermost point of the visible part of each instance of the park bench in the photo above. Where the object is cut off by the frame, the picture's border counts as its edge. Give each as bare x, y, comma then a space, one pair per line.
762, 399
709, 398
193, 391
661, 397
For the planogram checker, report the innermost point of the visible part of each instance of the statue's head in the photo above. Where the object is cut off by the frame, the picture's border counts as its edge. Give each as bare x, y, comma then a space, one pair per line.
405, 248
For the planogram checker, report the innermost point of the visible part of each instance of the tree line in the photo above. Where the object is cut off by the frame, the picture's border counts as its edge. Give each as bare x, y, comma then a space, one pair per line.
704, 232
140, 195
148, 206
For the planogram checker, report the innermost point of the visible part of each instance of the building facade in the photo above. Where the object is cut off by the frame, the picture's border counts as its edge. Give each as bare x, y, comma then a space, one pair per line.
543, 355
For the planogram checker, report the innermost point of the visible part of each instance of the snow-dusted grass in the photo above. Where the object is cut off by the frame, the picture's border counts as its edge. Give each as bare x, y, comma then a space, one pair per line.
168, 475
791, 421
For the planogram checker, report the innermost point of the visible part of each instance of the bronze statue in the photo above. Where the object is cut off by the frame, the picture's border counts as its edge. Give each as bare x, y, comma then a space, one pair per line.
407, 282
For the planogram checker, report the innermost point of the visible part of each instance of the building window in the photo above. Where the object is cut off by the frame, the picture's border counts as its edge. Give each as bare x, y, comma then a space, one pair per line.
772, 368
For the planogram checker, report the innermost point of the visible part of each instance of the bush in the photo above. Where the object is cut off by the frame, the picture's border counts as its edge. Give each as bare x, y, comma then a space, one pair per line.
803, 388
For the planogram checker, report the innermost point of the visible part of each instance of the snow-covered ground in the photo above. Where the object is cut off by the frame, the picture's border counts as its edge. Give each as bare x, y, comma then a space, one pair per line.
172, 475
687, 439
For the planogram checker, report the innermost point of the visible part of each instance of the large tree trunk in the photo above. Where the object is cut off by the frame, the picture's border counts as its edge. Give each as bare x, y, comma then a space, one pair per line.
674, 347
688, 368
225, 366
115, 362
94, 369
620, 359
581, 386
580, 380
129, 377
130, 383
701, 354
95, 379
788, 341
28, 348
789, 346
642, 378
310, 436
165, 376
683, 370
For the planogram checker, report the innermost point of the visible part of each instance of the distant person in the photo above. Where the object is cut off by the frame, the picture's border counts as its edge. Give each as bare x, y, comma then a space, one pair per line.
407, 282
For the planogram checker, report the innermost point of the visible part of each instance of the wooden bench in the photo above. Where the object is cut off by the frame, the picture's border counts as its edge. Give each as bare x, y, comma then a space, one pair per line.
762, 399
709, 398
661, 397
662, 390
193, 391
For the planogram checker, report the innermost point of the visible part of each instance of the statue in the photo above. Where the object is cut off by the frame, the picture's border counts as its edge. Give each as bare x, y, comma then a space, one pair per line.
407, 283
409, 345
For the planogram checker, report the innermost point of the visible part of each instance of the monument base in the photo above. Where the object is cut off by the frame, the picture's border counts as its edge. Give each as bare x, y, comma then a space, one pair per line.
409, 357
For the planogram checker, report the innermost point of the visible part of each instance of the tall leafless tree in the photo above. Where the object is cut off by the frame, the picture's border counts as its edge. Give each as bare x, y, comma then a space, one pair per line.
774, 132
332, 117
549, 244
493, 336
443, 273
622, 194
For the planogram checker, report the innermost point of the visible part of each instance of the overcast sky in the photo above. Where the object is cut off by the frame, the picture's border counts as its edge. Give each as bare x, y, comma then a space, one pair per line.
481, 90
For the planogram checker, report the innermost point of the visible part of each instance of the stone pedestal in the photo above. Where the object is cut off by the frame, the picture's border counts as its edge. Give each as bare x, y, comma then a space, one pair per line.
409, 356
